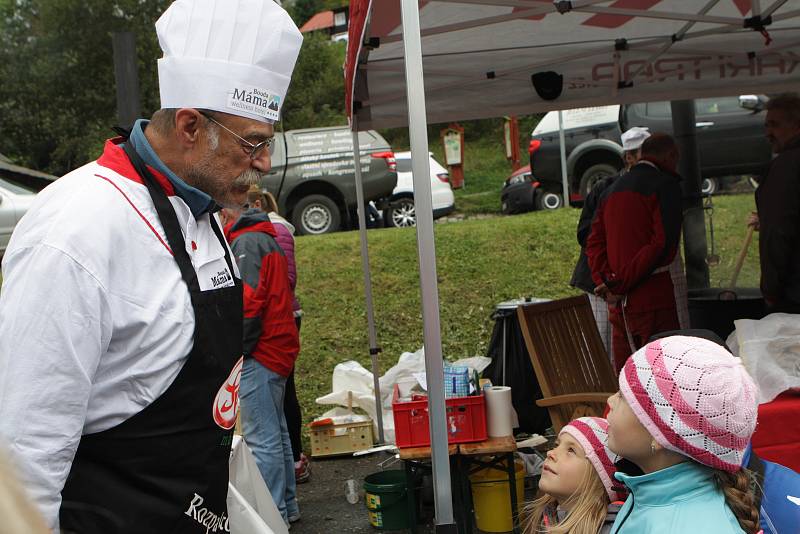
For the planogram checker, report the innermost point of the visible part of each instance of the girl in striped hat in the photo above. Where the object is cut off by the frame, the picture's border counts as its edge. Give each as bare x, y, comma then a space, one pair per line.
578, 483
685, 412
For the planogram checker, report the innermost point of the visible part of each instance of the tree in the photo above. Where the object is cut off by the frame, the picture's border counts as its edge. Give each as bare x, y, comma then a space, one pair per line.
316, 94
57, 89
57, 96
302, 10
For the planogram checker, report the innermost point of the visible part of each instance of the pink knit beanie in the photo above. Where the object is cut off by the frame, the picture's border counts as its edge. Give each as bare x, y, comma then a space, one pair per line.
592, 434
694, 398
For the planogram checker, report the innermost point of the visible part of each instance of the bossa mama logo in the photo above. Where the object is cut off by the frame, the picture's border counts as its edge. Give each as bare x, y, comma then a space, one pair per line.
255, 100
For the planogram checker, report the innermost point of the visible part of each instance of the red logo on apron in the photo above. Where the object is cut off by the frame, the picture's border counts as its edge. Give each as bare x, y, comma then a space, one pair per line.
226, 403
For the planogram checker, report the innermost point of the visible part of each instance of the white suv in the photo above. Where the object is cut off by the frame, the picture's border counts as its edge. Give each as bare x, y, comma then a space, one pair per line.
400, 211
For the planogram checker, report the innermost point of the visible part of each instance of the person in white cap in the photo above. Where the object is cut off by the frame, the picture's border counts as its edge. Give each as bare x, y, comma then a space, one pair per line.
121, 309
632, 140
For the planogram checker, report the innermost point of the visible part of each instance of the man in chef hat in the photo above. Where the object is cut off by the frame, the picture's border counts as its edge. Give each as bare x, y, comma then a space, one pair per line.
121, 311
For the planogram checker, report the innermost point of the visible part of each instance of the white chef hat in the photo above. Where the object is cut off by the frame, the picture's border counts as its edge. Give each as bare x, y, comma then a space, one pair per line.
232, 56
633, 138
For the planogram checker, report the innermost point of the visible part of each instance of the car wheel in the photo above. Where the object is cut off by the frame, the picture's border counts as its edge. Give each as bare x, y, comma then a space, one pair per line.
401, 213
548, 201
709, 186
316, 214
594, 174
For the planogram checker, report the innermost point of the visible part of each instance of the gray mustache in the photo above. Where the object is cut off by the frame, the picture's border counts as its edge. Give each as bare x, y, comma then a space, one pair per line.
248, 178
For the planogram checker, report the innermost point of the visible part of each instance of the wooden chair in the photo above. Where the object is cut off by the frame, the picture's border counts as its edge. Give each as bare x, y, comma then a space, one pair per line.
569, 359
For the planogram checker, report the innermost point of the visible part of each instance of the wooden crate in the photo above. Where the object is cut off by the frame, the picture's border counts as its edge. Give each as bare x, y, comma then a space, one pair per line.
331, 440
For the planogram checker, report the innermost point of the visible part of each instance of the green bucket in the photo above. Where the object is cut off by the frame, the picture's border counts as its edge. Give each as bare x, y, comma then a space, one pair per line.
387, 500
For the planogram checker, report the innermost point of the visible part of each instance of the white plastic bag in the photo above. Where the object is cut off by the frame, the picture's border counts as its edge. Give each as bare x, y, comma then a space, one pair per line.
770, 351
250, 505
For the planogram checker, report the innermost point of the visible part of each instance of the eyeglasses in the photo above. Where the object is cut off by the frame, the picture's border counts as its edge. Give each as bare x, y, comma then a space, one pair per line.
255, 150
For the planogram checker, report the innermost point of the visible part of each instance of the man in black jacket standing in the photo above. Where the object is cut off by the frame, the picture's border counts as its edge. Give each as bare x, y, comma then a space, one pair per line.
778, 203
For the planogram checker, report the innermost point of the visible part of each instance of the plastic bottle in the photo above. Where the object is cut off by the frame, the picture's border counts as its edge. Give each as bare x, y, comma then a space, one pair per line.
350, 492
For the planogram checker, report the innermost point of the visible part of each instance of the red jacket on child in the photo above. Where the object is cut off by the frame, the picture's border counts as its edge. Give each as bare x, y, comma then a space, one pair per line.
270, 333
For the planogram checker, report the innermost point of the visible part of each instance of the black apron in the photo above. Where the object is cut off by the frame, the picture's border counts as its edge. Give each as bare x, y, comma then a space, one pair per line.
165, 469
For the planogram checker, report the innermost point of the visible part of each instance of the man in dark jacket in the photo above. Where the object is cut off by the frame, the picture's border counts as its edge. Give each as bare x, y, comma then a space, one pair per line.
632, 140
271, 344
778, 203
633, 241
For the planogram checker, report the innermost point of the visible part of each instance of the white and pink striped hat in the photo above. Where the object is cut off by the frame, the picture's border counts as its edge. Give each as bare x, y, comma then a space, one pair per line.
592, 434
694, 398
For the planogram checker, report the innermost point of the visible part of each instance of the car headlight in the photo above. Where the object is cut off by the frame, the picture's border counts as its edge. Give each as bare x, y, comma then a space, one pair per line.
519, 179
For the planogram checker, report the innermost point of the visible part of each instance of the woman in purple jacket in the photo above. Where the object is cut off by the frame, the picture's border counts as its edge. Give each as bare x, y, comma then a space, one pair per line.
291, 406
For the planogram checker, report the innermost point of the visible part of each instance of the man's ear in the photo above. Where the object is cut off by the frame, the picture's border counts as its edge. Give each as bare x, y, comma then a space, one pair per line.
188, 126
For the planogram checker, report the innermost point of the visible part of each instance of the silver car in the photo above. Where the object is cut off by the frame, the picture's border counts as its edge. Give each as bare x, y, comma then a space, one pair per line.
15, 199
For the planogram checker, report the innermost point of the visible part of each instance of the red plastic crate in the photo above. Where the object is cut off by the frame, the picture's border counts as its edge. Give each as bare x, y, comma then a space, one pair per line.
466, 420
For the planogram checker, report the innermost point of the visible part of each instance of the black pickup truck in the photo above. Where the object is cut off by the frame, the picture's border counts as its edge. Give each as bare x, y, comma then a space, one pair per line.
730, 137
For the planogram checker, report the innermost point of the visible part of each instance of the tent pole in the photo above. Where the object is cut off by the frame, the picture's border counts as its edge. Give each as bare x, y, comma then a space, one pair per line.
362, 234
694, 227
563, 148
420, 166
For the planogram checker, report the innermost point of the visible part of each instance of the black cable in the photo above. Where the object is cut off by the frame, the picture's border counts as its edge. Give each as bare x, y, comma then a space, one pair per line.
285, 163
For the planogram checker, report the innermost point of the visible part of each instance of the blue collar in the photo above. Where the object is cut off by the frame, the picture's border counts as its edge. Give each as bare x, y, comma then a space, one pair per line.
198, 201
679, 482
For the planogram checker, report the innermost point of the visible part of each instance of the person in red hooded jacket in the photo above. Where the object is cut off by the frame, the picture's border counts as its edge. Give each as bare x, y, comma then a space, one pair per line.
633, 242
271, 345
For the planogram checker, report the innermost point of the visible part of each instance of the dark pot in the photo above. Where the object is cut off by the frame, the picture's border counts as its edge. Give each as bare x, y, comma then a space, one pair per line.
716, 308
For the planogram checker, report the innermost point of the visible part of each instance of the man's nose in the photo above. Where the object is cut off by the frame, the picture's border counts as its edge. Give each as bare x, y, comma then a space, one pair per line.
263, 163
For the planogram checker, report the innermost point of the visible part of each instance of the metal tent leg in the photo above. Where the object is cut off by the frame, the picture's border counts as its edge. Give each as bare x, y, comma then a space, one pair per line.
420, 166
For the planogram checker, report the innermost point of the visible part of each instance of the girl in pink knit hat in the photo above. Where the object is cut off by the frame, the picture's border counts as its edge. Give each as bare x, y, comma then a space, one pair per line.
684, 414
578, 483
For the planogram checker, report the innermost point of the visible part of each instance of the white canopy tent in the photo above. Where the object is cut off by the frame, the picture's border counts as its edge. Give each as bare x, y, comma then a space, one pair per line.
471, 59
479, 55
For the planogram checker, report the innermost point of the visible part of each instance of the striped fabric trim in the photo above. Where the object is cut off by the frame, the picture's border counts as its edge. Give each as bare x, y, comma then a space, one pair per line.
687, 414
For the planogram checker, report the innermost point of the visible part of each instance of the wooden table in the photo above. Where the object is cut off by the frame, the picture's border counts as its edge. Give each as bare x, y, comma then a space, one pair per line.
423, 453
465, 459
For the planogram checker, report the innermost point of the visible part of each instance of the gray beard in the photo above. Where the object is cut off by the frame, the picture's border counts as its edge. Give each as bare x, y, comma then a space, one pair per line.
205, 180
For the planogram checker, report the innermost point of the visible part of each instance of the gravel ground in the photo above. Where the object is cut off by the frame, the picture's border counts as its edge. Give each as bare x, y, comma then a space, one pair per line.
324, 508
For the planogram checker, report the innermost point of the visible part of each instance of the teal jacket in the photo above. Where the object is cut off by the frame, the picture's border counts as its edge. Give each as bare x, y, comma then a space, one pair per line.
681, 498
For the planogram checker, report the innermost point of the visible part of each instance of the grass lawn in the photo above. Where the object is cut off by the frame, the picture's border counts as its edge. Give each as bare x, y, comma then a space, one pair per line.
485, 171
480, 263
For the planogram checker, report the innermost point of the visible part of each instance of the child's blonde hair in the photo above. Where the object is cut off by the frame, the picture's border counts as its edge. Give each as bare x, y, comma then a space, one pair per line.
267, 200
588, 508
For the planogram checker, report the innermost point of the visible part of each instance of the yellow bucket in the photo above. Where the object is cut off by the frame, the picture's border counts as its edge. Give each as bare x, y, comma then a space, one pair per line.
492, 499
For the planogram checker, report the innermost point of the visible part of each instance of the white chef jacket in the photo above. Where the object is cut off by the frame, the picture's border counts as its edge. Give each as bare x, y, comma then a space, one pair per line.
95, 320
